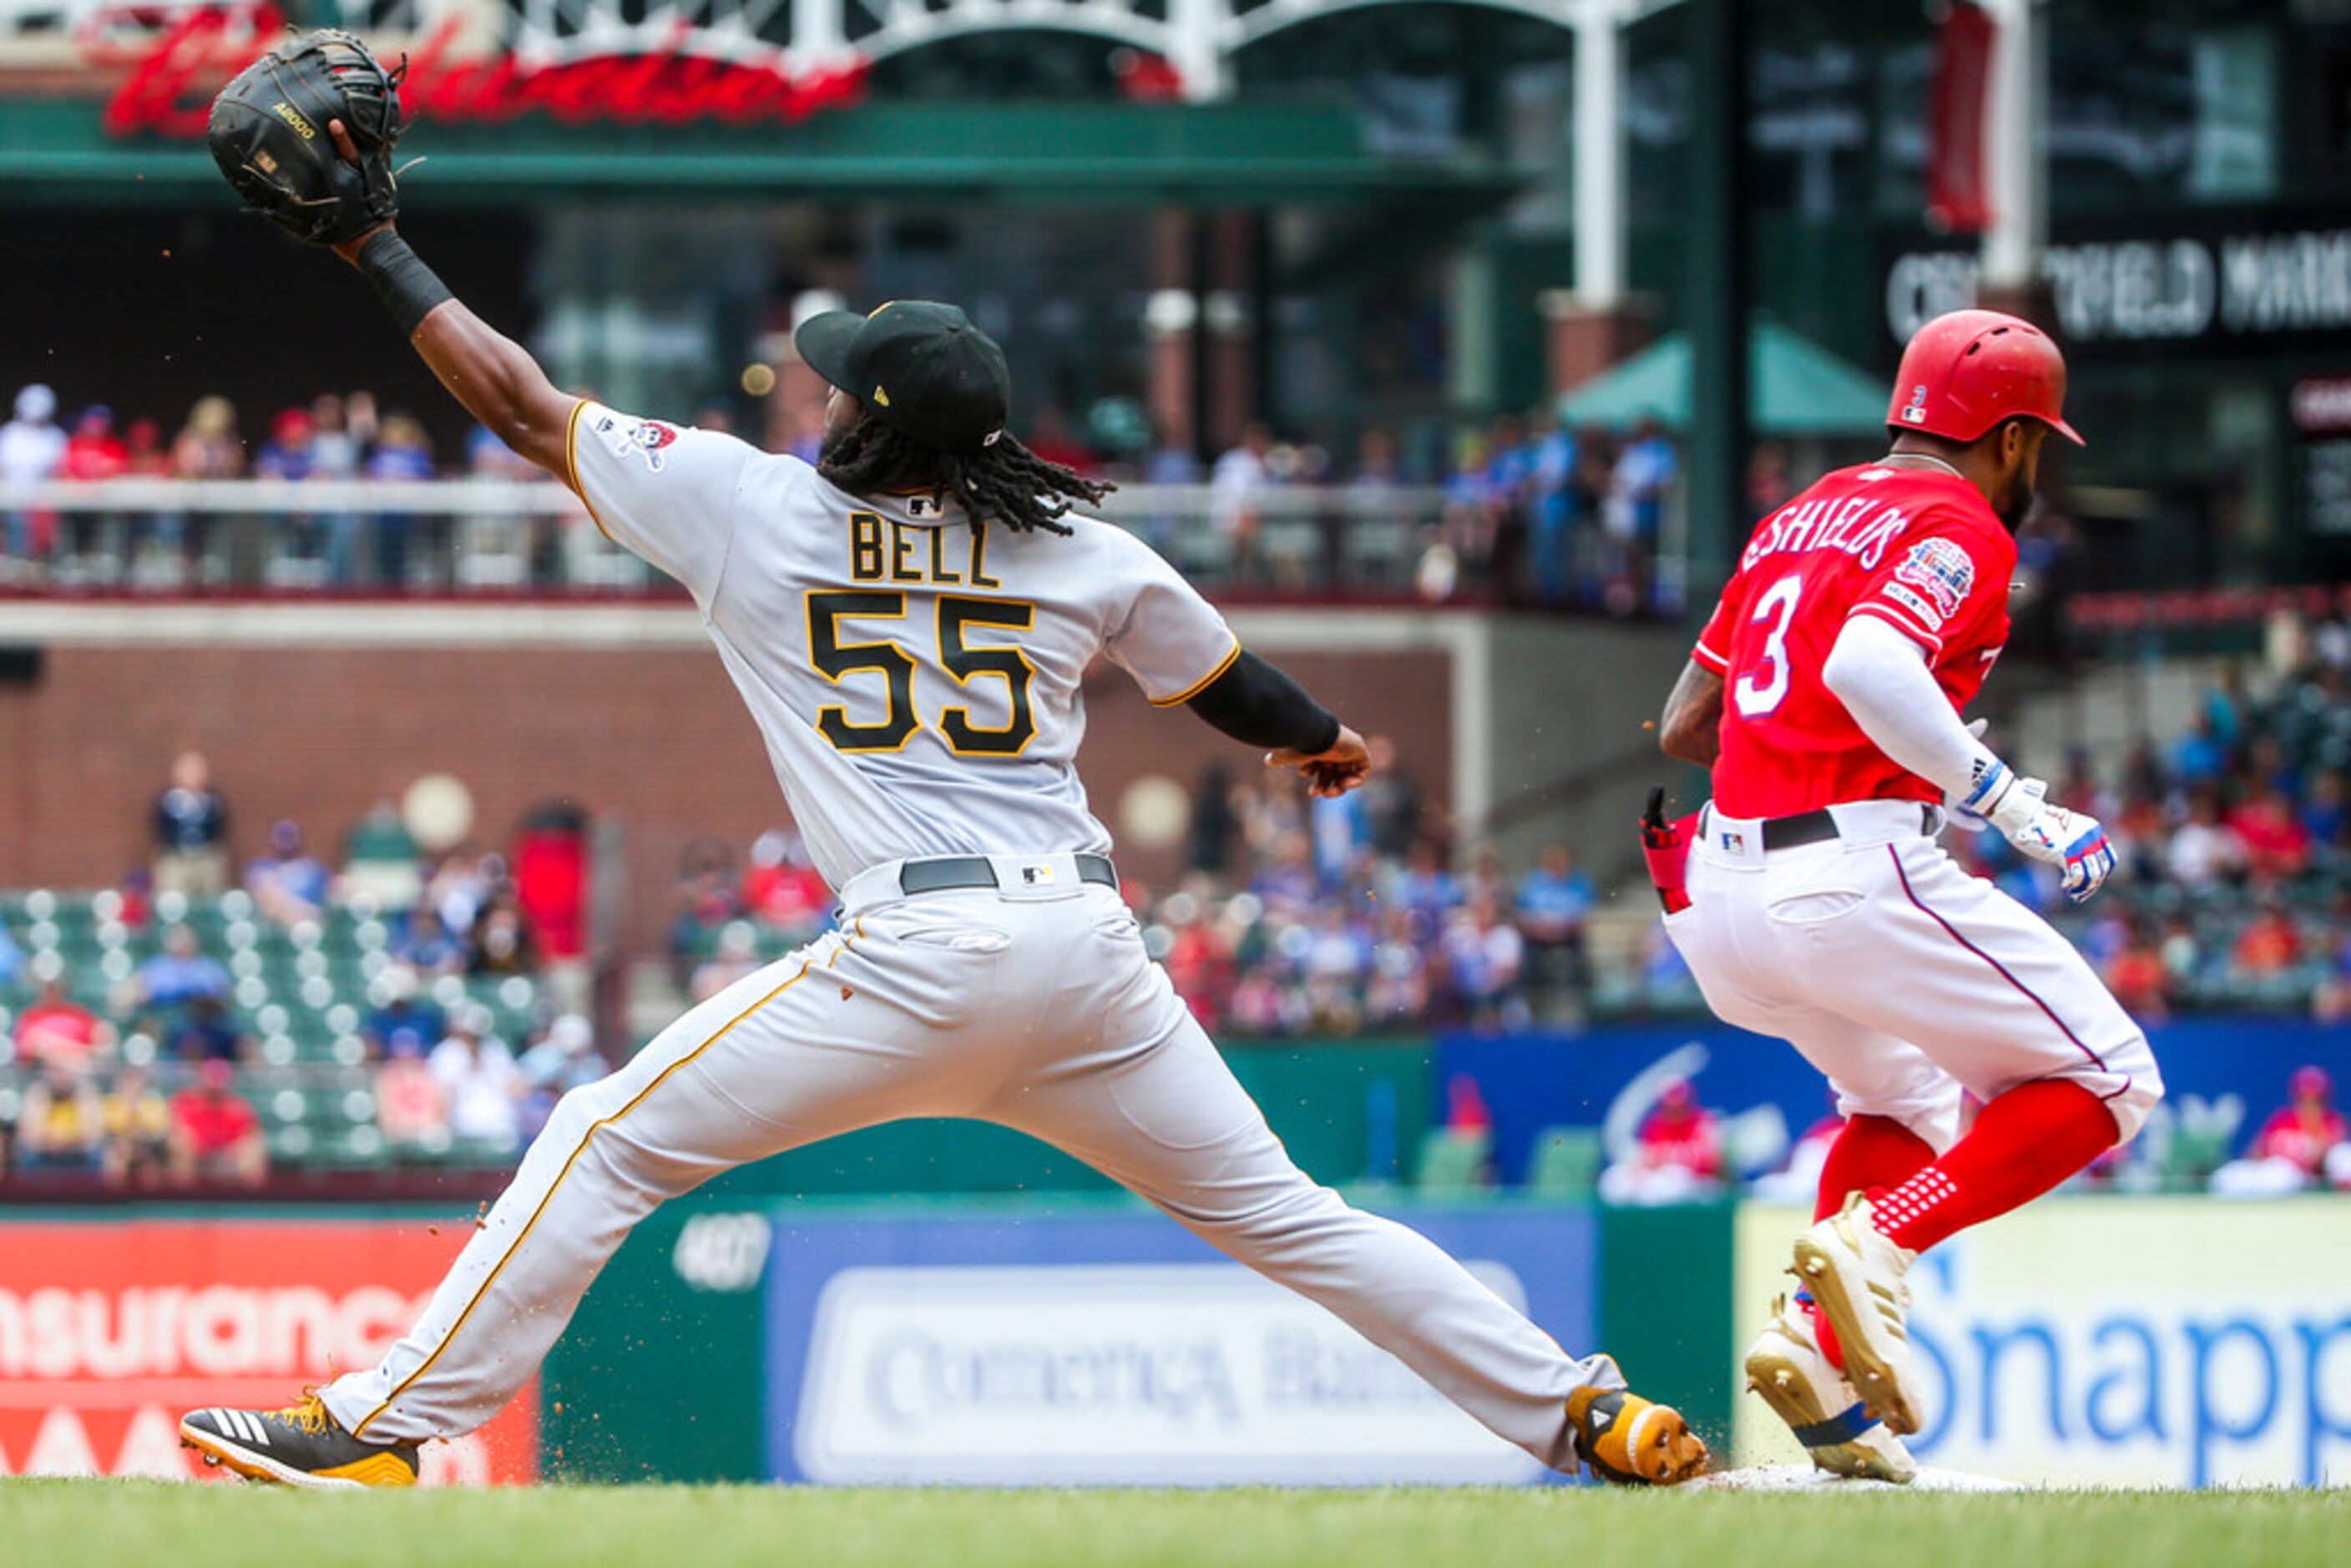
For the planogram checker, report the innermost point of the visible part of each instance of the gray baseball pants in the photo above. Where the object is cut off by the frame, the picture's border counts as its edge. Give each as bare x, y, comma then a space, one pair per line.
1034, 1007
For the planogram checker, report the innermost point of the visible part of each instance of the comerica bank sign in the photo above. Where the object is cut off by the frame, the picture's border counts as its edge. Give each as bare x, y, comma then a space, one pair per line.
2224, 287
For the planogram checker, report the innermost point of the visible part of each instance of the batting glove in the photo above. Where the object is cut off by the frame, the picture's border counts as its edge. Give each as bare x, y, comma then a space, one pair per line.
2052, 835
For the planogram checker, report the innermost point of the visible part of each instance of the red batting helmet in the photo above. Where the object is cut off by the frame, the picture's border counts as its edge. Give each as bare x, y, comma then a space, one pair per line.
1964, 372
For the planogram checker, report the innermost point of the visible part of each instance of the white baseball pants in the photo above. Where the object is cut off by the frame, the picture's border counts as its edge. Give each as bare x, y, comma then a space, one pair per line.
1034, 1009
1899, 975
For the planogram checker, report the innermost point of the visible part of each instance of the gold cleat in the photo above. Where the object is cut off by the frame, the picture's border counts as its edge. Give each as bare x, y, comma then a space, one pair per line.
1788, 1371
299, 1446
1856, 1277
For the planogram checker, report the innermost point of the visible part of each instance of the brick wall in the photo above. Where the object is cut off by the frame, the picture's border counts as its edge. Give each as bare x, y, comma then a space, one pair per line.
649, 737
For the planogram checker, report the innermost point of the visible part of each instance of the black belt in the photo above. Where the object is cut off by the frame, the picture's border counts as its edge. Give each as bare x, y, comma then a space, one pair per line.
950, 871
1818, 827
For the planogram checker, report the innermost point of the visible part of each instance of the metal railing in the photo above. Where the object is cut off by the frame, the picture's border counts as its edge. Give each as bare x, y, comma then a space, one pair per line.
175, 535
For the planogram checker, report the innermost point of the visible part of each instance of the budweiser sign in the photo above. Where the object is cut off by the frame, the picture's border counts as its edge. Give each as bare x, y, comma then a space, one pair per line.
109, 1329
168, 83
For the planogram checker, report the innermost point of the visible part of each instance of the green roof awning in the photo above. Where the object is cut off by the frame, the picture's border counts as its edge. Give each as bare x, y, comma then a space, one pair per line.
1795, 387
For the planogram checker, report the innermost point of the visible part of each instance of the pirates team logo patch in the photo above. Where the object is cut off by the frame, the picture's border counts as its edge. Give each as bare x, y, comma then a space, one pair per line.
646, 438
1941, 570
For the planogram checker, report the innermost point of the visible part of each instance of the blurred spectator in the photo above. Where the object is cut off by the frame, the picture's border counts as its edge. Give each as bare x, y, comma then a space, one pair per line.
179, 973
502, 942
1391, 800
2307, 1128
401, 1018
207, 1033
215, 1133
2269, 944
2139, 975
2294, 1149
485, 1088
138, 1131
734, 961
61, 1124
403, 453
705, 899
1633, 516
781, 888
2204, 849
1485, 955
94, 451
426, 945
1551, 507
143, 456
287, 886
1239, 482
1554, 900
411, 1106
57, 1028
561, 1060
286, 454
191, 831
207, 447
32, 449
2275, 842
1677, 1154
334, 453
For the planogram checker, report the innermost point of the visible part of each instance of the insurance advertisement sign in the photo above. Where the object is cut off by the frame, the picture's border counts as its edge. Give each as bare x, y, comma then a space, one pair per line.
110, 1329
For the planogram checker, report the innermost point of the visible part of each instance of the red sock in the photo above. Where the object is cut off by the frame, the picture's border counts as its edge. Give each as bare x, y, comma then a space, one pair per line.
2024, 1143
1872, 1154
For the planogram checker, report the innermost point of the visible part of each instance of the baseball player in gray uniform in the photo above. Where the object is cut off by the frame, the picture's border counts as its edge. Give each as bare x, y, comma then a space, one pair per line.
908, 620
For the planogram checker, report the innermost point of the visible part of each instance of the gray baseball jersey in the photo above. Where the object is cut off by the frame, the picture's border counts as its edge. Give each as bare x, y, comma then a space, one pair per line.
916, 675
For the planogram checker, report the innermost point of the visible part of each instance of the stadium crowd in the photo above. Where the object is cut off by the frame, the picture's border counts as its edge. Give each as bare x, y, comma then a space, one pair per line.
1360, 916
1531, 513
201, 1020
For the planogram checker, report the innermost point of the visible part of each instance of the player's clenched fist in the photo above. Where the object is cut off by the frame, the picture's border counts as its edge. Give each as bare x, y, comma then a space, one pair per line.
2020, 809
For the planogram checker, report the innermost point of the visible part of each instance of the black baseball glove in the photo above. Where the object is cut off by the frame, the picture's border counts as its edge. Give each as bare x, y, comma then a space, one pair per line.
268, 134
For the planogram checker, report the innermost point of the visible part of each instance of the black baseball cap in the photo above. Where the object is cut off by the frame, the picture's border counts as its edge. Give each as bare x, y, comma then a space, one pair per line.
921, 366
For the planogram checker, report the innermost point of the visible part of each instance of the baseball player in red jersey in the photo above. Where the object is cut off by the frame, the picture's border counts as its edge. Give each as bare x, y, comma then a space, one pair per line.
1825, 695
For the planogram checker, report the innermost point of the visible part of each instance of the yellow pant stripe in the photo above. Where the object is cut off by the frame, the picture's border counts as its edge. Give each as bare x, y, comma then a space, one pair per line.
556, 1186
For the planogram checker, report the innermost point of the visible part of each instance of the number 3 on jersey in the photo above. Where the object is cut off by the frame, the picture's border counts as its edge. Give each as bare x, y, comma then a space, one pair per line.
963, 660
1765, 684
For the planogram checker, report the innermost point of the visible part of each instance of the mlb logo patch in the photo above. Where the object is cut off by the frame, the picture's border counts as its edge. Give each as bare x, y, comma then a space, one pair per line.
1736, 843
1916, 413
1941, 570
1036, 875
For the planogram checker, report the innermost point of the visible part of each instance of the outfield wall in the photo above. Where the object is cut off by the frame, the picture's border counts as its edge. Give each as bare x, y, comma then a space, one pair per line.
1082, 1340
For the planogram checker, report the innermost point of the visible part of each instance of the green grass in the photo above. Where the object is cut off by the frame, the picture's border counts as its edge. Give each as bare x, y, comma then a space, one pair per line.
99, 1524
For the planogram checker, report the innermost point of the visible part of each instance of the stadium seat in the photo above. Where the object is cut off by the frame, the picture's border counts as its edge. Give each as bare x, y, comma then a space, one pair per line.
1454, 1164
1567, 1162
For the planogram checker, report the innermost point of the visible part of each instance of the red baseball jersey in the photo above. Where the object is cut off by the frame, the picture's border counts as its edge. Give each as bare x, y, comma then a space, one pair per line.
1921, 551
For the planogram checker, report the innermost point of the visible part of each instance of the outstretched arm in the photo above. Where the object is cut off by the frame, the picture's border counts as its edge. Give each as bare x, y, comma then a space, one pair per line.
1255, 703
1691, 727
493, 376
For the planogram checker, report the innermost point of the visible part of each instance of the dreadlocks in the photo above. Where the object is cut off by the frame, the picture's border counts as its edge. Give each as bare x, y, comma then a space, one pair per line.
1006, 483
